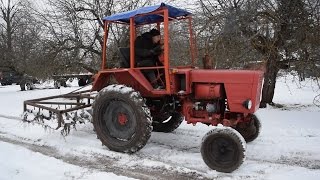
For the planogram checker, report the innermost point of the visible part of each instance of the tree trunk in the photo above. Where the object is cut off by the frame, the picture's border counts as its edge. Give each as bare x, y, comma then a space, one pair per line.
270, 78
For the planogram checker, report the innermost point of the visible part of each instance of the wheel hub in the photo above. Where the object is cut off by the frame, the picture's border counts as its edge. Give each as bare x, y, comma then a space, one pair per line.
223, 150
122, 119
119, 120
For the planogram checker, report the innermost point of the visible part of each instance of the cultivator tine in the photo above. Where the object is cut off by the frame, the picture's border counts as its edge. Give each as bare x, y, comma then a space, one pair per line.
60, 119
37, 117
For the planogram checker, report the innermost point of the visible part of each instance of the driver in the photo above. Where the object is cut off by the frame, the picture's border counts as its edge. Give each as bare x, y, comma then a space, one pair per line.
147, 50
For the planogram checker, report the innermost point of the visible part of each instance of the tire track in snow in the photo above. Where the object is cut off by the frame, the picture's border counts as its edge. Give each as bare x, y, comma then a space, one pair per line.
101, 162
290, 161
17, 118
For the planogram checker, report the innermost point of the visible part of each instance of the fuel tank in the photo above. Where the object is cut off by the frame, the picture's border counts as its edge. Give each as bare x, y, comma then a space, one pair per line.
207, 91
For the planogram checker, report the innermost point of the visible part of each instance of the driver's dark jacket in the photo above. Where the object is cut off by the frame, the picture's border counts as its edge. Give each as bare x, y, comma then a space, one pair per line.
143, 53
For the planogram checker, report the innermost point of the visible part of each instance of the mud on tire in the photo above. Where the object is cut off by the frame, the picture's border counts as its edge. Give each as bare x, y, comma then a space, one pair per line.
223, 149
121, 119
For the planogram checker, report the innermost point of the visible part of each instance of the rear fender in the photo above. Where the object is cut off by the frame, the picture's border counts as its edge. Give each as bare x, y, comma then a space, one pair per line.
100, 80
129, 77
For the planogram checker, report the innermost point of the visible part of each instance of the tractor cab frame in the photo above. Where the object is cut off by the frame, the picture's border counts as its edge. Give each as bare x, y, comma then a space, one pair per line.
159, 15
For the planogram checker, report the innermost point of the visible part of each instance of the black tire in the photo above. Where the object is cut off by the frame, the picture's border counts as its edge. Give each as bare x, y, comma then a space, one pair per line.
29, 86
26, 85
121, 119
251, 130
82, 81
57, 84
22, 86
63, 83
223, 149
161, 124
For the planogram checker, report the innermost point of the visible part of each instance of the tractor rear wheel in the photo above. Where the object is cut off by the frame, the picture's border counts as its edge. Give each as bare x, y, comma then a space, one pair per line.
250, 130
223, 149
167, 123
121, 119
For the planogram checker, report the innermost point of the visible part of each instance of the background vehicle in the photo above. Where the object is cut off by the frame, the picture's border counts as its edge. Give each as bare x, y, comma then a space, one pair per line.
83, 79
9, 77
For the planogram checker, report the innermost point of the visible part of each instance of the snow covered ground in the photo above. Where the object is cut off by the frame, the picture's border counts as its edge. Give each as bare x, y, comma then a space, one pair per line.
287, 148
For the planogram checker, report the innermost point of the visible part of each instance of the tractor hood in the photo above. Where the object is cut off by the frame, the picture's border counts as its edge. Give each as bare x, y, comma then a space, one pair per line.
224, 76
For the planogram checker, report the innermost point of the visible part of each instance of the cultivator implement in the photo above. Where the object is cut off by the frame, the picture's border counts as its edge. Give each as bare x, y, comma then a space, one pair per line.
61, 111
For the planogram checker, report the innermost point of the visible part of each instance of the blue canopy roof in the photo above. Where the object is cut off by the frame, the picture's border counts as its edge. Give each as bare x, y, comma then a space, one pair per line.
148, 19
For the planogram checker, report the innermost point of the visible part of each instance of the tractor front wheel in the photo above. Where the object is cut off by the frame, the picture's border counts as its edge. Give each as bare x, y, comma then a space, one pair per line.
167, 123
223, 149
121, 119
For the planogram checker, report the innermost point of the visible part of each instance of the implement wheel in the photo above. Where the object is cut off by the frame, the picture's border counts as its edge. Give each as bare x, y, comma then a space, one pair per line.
121, 119
250, 130
167, 123
223, 149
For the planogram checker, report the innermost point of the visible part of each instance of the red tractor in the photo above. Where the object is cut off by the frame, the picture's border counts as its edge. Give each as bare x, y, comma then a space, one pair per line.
127, 107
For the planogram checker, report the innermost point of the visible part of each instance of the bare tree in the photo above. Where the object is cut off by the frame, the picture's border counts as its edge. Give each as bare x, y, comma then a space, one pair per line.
75, 32
220, 37
9, 17
19, 35
277, 30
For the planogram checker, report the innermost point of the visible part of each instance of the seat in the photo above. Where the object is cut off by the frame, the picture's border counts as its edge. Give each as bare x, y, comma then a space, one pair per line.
125, 57
125, 63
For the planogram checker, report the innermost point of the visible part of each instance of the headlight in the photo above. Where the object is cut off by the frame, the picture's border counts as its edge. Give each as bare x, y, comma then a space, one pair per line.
247, 104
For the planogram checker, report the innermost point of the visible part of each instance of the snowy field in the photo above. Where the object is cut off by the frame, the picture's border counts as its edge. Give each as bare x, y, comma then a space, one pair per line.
287, 148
